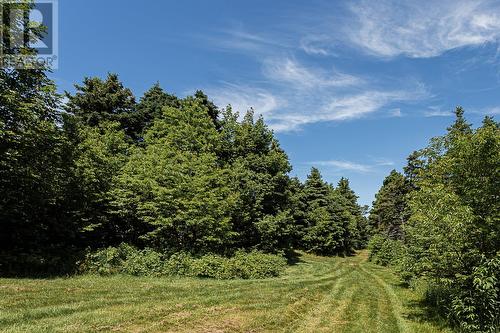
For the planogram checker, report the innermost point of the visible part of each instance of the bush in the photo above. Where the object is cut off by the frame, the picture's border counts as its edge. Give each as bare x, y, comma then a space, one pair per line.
257, 265
385, 251
144, 263
243, 265
107, 261
125, 259
475, 300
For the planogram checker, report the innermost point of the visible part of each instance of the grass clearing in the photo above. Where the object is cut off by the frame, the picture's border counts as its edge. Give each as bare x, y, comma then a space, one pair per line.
316, 295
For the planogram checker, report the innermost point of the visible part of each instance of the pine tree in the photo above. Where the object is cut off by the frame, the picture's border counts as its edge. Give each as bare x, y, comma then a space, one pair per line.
97, 101
316, 191
390, 211
151, 105
413, 167
357, 233
327, 219
212, 109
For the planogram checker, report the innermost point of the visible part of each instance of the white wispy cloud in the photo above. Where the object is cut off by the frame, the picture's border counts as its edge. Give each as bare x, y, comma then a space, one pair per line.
491, 111
395, 112
237, 39
291, 94
343, 165
436, 111
284, 112
317, 45
355, 106
375, 165
422, 29
243, 97
340, 108
290, 71
383, 162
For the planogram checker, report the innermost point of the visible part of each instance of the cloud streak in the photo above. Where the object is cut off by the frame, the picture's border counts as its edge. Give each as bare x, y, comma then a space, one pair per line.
243, 97
296, 95
343, 165
422, 29
317, 45
342, 107
435, 111
290, 71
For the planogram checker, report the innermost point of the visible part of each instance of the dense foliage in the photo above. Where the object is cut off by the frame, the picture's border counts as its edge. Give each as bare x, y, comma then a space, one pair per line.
126, 259
450, 234
164, 175
334, 223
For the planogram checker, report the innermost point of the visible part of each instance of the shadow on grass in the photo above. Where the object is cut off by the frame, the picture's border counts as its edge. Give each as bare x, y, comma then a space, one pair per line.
293, 257
424, 311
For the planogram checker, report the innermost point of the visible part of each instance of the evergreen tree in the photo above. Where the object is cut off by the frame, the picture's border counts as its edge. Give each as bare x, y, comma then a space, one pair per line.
327, 219
298, 207
316, 191
212, 109
413, 168
151, 105
389, 210
357, 228
97, 101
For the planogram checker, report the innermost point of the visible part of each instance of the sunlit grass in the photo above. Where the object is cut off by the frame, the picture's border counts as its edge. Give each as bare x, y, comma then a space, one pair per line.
316, 295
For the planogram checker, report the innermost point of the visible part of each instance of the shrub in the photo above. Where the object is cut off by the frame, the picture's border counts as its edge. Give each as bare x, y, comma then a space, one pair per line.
179, 263
144, 263
107, 261
475, 300
276, 232
385, 251
125, 259
257, 265
243, 265
211, 266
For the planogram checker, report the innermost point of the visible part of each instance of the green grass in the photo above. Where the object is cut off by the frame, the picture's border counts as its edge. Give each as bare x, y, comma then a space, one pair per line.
316, 295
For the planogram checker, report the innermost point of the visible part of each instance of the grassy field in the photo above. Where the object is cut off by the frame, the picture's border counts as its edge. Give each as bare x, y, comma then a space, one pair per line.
316, 295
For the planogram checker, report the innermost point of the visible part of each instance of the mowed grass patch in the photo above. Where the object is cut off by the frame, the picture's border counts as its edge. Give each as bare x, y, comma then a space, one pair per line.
317, 294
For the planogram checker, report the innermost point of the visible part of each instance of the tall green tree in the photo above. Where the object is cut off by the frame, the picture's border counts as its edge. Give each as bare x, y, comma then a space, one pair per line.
34, 213
390, 210
453, 234
327, 218
212, 109
358, 226
172, 195
97, 101
150, 106
259, 174
98, 156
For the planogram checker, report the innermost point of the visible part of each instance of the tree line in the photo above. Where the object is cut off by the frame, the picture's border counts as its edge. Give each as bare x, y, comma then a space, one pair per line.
97, 168
439, 223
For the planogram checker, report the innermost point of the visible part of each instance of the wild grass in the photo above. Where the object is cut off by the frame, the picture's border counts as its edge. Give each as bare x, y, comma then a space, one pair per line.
315, 295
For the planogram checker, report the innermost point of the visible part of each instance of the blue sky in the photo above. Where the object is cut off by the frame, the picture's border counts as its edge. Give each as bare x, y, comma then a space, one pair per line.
351, 87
